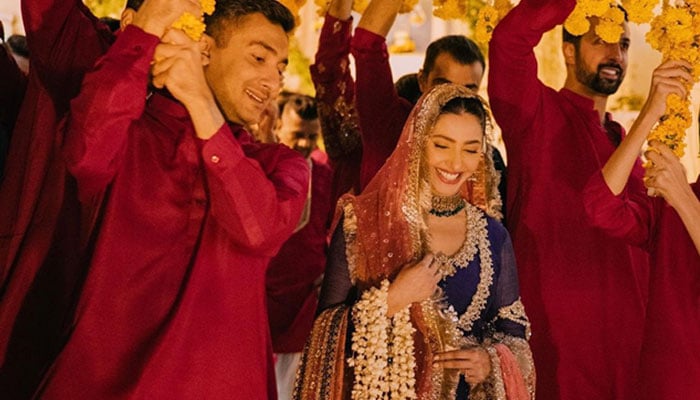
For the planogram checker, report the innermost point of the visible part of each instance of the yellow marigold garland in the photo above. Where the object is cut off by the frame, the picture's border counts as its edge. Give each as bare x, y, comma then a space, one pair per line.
609, 19
359, 6
294, 6
489, 16
192, 26
676, 34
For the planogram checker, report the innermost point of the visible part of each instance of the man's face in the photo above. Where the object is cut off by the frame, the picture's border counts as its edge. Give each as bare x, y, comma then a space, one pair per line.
297, 133
448, 70
245, 73
601, 66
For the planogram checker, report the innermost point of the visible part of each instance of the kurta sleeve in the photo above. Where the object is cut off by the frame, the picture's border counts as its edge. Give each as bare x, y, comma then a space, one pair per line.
112, 97
257, 191
382, 112
64, 40
335, 89
515, 92
511, 319
625, 216
512, 365
335, 96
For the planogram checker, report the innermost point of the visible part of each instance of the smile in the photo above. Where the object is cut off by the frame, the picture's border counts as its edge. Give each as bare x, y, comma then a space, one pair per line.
610, 72
254, 96
448, 177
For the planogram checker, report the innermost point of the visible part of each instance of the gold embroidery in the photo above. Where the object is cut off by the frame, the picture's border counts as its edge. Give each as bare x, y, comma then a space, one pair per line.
516, 312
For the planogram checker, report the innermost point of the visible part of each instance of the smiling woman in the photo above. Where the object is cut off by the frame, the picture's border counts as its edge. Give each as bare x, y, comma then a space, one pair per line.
421, 283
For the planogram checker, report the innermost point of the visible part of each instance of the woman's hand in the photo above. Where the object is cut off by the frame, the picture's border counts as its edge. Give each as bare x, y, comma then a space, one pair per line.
474, 363
666, 177
413, 284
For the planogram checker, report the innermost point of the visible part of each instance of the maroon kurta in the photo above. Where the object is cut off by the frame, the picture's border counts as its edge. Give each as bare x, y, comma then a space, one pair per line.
335, 96
669, 370
292, 293
382, 112
174, 301
39, 212
584, 292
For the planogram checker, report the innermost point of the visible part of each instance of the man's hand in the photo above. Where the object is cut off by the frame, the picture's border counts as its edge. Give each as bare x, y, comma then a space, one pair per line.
178, 65
668, 78
156, 16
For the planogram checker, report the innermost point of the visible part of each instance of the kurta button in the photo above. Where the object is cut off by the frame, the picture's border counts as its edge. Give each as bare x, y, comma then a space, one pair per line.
215, 159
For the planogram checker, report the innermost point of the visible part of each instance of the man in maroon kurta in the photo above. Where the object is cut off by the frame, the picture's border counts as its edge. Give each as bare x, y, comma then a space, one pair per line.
583, 291
294, 274
173, 304
40, 218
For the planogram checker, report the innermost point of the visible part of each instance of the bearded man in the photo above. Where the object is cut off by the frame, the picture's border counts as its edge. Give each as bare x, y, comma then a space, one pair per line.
584, 293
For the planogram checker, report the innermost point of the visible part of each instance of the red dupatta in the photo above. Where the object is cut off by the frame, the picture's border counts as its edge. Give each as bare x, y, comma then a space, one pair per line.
385, 227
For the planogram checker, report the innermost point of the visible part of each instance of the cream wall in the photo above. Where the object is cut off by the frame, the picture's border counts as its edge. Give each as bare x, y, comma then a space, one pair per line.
10, 16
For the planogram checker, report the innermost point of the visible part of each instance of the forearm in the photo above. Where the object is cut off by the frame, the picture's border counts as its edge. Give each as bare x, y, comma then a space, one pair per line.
340, 9
514, 88
249, 189
206, 115
617, 169
335, 88
111, 98
379, 16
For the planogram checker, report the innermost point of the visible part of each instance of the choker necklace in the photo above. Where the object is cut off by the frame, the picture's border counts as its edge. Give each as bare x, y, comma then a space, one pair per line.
446, 206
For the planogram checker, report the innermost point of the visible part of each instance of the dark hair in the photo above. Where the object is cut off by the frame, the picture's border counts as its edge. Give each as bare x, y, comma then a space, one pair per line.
112, 23
460, 47
18, 45
134, 4
303, 105
231, 11
568, 37
408, 88
466, 105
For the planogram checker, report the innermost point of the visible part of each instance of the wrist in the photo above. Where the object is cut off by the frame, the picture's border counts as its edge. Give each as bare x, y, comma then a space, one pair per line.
149, 24
206, 116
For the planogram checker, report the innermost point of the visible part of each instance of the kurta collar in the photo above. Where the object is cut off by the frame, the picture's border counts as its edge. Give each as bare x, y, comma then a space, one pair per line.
580, 101
584, 103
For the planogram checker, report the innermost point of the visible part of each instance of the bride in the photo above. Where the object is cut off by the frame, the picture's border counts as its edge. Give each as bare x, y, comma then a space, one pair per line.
420, 297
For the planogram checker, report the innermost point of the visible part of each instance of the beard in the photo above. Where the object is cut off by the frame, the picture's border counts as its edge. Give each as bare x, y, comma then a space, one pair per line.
596, 82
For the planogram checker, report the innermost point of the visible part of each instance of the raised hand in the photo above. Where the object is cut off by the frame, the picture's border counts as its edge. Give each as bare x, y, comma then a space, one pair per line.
414, 283
155, 16
178, 65
666, 176
668, 78
474, 363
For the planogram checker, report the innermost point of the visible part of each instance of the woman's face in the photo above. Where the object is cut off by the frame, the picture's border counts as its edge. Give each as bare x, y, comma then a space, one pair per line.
453, 152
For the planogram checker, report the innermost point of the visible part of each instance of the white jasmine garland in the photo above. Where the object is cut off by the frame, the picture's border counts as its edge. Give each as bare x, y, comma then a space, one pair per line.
383, 350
